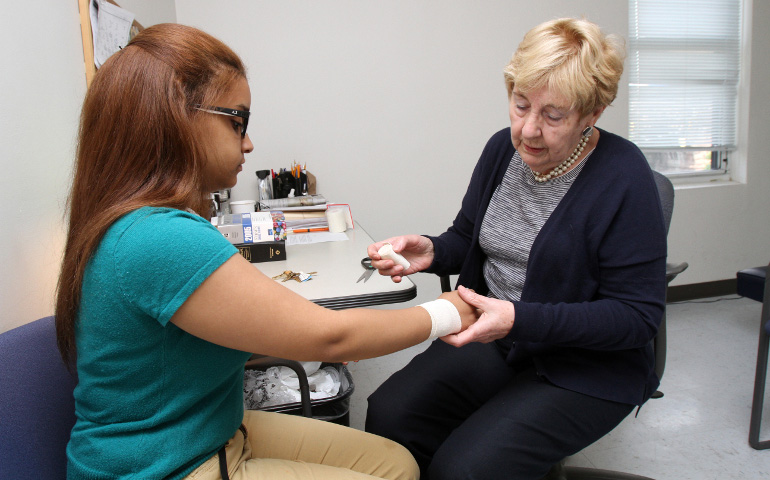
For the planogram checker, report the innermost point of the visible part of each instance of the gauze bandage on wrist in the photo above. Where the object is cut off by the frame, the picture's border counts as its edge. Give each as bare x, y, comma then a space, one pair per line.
444, 318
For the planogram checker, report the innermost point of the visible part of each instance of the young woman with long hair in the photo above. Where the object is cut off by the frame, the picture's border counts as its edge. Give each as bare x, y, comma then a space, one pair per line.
157, 312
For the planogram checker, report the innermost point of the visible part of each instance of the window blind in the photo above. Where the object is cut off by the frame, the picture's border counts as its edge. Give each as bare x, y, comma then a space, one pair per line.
683, 71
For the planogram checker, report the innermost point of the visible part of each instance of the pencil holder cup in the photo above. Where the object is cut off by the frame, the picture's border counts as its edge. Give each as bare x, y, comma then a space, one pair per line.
243, 206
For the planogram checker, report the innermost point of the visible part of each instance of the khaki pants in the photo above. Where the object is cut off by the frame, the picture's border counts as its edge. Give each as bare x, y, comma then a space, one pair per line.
280, 446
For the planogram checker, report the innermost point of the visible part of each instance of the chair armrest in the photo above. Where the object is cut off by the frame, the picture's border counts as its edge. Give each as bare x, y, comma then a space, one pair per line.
445, 285
674, 269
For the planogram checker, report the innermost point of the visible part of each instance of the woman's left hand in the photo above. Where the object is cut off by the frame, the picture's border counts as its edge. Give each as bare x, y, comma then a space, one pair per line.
495, 322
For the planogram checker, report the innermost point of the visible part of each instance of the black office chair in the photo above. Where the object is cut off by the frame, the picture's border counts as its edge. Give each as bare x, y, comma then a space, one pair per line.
666, 192
753, 284
561, 471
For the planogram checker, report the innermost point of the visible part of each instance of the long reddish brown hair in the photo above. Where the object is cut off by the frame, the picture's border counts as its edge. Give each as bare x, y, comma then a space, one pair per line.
139, 144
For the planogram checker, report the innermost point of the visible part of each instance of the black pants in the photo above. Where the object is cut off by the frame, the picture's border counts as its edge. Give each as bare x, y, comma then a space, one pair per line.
466, 414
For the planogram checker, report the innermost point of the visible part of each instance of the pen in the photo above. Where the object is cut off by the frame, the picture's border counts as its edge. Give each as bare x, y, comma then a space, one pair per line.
308, 230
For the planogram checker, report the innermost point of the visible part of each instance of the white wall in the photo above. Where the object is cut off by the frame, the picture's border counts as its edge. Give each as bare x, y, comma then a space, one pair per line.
389, 104
401, 96
41, 88
41, 91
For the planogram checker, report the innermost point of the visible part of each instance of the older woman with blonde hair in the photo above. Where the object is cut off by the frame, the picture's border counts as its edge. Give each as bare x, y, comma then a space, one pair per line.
560, 242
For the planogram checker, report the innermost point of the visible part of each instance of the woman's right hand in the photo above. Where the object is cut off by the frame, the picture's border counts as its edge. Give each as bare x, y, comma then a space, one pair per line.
418, 250
495, 321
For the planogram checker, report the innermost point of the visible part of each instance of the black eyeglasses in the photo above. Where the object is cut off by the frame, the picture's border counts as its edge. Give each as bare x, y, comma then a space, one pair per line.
230, 112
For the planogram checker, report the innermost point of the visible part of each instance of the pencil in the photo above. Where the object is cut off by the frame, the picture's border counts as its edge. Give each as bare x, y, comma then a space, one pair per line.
308, 230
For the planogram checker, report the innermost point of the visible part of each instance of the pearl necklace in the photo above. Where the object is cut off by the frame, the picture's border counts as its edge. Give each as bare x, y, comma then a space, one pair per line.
566, 164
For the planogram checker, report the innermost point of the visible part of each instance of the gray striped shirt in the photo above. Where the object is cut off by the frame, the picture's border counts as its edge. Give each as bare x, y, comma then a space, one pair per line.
517, 211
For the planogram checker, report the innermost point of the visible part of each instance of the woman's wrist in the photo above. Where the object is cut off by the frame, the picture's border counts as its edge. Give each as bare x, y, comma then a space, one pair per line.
444, 318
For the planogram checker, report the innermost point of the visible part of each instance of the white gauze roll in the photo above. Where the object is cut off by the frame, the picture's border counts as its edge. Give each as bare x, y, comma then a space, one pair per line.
444, 318
338, 220
386, 251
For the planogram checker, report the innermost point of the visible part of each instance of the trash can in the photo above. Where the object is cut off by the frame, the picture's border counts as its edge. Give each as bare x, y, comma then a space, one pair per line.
334, 409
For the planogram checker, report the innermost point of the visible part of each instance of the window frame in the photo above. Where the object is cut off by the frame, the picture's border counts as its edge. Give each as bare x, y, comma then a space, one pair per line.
724, 161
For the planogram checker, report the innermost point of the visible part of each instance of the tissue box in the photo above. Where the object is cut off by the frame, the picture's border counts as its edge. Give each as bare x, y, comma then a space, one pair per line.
254, 227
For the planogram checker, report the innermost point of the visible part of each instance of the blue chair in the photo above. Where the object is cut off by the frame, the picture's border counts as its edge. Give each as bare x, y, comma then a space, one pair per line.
37, 409
752, 284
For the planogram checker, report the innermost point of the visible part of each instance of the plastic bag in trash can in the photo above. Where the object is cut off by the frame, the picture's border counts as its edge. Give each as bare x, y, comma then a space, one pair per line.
280, 385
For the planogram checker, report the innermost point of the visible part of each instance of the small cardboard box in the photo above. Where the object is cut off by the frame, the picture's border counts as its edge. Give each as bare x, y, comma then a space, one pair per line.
254, 227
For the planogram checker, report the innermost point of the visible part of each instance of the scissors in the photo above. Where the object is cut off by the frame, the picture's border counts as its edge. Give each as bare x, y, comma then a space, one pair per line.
366, 262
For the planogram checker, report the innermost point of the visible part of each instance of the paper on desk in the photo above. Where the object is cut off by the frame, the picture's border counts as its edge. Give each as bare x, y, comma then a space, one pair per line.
111, 27
314, 237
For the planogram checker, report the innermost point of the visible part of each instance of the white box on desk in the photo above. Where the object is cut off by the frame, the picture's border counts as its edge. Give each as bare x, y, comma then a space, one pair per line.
251, 227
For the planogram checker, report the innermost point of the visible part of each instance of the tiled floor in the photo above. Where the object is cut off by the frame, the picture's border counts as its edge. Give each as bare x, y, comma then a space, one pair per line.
698, 430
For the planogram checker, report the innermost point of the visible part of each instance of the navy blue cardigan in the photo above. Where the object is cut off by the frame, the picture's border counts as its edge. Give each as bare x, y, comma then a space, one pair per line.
594, 293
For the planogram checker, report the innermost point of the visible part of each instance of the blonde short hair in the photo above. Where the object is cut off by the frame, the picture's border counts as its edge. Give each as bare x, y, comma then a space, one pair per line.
572, 57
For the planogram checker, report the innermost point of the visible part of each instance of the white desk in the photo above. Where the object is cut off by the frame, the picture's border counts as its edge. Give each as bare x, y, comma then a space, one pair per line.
339, 265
